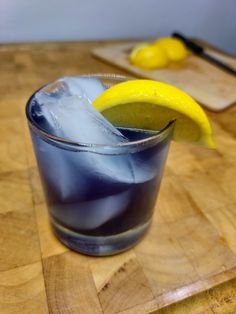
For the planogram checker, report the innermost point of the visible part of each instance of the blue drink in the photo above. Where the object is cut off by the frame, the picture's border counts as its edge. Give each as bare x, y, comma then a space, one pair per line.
100, 192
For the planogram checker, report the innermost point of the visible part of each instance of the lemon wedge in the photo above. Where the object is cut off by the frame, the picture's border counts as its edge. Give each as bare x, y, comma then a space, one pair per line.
152, 105
174, 48
148, 56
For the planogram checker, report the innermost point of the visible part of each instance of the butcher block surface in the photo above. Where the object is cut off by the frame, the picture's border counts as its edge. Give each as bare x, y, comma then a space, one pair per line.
185, 264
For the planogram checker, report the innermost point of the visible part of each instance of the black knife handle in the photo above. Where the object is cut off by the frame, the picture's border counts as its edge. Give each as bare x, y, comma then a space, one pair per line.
189, 43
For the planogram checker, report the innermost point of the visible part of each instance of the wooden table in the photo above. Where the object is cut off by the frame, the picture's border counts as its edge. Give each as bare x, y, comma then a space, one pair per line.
195, 242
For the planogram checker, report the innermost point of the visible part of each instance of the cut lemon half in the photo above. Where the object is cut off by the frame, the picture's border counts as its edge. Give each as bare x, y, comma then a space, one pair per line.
174, 48
148, 56
148, 104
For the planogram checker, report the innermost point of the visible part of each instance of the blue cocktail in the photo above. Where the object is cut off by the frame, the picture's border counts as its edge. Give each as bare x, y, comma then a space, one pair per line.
100, 182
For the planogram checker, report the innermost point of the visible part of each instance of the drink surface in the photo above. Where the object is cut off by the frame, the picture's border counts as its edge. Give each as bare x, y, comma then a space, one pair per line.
89, 192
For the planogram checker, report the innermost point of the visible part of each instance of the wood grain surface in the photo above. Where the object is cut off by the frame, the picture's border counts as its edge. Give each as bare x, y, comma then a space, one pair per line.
185, 264
209, 85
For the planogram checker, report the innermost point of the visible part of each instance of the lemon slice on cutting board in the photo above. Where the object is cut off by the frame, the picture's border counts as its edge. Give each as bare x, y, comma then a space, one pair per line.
152, 105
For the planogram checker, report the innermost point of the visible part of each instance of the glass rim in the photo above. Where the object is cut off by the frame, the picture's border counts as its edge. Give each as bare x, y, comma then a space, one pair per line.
158, 136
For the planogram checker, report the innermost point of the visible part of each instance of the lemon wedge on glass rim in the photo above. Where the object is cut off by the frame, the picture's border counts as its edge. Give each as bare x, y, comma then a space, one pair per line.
147, 104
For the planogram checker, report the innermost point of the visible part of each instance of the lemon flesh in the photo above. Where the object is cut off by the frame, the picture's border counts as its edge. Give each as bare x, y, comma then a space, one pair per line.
148, 56
174, 48
148, 104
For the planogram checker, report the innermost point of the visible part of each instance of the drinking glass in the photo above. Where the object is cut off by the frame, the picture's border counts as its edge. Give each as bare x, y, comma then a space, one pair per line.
90, 211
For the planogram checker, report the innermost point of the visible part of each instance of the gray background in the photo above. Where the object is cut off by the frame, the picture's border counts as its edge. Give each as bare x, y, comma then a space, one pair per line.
44, 20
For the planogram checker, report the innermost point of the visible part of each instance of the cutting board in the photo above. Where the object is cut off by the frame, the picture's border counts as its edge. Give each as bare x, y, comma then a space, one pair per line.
210, 86
190, 247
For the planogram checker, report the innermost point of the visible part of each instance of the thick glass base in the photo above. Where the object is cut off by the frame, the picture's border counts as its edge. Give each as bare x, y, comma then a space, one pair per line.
99, 246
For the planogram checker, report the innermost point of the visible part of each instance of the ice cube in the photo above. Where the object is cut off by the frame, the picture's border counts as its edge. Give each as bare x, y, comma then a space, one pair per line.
74, 118
66, 108
87, 87
61, 171
91, 214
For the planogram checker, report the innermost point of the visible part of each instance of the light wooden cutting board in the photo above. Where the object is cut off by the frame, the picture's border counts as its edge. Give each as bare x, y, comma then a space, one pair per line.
209, 85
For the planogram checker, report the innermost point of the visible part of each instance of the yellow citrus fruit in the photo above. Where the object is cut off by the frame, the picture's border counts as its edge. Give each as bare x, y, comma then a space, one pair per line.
148, 56
152, 105
174, 48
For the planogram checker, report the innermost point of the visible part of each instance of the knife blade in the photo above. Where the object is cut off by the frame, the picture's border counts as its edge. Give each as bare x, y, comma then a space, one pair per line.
199, 50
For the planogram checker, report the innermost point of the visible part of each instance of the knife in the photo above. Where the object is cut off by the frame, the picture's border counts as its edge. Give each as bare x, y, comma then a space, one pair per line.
199, 50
